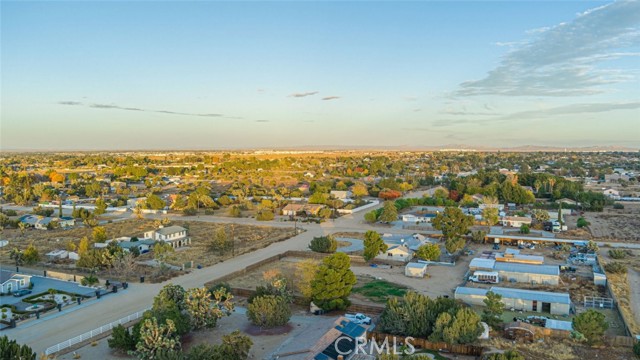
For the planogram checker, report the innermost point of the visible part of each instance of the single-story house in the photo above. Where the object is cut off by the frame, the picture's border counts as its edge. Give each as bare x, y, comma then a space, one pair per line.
341, 194
309, 209
175, 235
143, 245
415, 269
519, 299
515, 221
10, 281
397, 253
611, 193
29, 220
417, 218
413, 242
339, 338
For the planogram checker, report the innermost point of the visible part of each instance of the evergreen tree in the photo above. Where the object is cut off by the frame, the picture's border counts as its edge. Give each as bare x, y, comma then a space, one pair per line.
373, 245
389, 212
592, 324
333, 283
493, 309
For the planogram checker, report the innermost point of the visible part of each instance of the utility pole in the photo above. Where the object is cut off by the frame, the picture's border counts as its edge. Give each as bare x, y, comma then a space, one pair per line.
233, 241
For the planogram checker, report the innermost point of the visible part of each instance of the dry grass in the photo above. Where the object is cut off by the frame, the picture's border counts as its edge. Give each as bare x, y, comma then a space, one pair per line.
248, 238
618, 227
557, 349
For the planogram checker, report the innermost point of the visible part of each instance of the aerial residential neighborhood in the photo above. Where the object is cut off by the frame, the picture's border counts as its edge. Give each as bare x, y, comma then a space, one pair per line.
320, 180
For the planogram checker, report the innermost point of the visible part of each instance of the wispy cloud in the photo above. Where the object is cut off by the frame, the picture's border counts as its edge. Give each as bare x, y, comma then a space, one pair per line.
262, 121
331, 98
304, 94
117, 107
563, 60
541, 114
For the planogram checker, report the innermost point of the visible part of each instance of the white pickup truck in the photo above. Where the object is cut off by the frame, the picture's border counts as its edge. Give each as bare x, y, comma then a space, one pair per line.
358, 318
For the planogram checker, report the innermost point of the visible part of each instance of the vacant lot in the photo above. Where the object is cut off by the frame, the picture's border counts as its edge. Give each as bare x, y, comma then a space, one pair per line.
561, 350
614, 226
247, 238
626, 287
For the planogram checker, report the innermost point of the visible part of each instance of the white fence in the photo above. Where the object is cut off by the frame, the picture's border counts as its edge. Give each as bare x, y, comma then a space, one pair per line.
93, 333
363, 207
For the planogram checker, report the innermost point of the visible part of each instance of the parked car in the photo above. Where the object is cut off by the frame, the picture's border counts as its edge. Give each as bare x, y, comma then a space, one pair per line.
496, 246
21, 292
358, 318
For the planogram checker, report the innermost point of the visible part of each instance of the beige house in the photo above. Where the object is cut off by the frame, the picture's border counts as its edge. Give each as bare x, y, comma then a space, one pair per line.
176, 236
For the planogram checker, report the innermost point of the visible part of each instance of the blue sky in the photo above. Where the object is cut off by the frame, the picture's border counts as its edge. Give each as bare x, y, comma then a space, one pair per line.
212, 75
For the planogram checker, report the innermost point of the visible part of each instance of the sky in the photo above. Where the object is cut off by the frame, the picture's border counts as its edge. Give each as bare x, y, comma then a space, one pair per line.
117, 75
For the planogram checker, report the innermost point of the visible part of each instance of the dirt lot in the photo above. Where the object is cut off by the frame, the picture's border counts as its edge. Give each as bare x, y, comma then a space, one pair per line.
440, 280
561, 350
614, 225
626, 286
248, 238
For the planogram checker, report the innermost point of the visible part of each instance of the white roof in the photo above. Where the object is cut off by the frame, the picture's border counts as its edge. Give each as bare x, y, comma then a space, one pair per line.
482, 263
558, 324
415, 265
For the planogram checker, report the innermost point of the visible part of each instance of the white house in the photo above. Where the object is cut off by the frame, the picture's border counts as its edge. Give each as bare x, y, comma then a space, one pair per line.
397, 253
515, 221
176, 236
415, 269
341, 195
10, 281
611, 193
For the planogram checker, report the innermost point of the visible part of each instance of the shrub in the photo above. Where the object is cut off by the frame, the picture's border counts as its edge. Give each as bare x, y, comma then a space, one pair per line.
636, 349
616, 268
269, 311
190, 212
122, 339
524, 229
10, 349
617, 254
265, 215
617, 206
582, 222
592, 324
507, 355
324, 244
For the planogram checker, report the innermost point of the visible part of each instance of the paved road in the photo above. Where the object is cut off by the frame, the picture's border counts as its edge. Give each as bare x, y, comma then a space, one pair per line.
53, 330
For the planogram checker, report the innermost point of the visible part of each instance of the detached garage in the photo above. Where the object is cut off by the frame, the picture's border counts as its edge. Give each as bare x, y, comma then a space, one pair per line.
415, 269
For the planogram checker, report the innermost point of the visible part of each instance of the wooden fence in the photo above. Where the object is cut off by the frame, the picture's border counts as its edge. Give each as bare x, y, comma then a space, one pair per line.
462, 349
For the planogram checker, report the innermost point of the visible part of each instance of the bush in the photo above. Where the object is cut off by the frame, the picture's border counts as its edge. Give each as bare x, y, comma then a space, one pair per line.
190, 212
636, 349
616, 268
265, 215
10, 349
592, 324
582, 222
122, 339
507, 355
615, 206
524, 229
617, 254
324, 244
269, 311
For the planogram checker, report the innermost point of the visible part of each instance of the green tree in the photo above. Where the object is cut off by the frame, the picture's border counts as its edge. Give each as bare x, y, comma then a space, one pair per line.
507, 355
493, 309
10, 349
524, 229
478, 236
371, 216
582, 222
84, 246
31, 255
235, 346
592, 246
636, 349
205, 309
161, 251
491, 215
305, 273
452, 222
389, 212
333, 282
265, 215
234, 211
156, 338
17, 255
101, 206
99, 234
461, 328
154, 202
269, 311
324, 244
429, 252
221, 243
540, 215
170, 294
122, 339
373, 245
360, 190
592, 324
454, 244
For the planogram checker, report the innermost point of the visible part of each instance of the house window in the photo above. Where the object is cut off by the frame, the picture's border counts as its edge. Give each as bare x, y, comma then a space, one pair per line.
22, 282
389, 254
